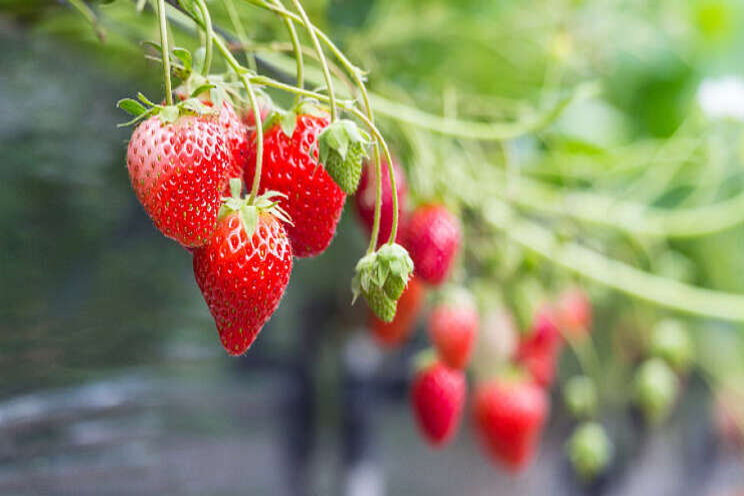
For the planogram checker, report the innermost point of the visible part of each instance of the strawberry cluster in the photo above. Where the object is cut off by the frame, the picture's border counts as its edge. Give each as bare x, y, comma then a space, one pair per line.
188, 164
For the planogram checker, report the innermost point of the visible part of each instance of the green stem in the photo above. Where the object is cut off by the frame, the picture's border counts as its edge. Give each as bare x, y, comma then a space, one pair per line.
615, 274
209, 37
297, 47
356, 76
165, 52
232, 13
241, 72
321, 56
629, 217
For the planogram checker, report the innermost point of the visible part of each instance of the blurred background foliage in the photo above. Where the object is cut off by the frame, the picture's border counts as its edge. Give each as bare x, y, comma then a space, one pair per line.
88, 286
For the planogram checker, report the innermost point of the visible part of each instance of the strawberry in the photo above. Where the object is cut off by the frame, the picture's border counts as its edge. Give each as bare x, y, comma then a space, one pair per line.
580, 397
433, 236
178, 167
538, 348
590, 450
392, 334
342, 147
437, 398
381, 277
671, 342
509, 415
244, 268
574, 312
233, 130
366, 194
236, 137
313, 200
453, 327
655, 388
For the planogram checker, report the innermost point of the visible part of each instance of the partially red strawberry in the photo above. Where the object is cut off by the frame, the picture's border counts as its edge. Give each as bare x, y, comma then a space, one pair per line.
509, 415
395, 333
453, 328
574, 312
178, 168
244, 269
539, 347
290, 166
433, 238
437, 398
367, 192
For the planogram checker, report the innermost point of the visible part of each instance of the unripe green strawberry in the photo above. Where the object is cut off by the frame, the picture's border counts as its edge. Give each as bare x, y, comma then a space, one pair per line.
655, 388
342, 147
580, 397
671, 342
590, 450
381, 277
382, 306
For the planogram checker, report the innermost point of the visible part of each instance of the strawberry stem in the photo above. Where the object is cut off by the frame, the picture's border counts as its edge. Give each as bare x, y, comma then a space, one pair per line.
296, 47
232, 13
321, 57
209, 37
165, 52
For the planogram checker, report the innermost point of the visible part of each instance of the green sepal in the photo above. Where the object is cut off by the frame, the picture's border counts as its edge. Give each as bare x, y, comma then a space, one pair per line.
167, 113
342, 147
131, 106
249, 210
183, 70
397, 268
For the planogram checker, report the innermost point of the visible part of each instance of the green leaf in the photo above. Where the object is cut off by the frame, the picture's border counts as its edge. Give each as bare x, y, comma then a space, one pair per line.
131, 106
288, 122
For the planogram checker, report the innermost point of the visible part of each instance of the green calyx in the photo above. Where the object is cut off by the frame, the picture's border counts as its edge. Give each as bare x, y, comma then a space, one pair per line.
381, 277
342, 147
249, 211
168, 114
590, 450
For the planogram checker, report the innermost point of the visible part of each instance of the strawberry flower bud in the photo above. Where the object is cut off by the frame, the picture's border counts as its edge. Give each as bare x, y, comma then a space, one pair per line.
342, 147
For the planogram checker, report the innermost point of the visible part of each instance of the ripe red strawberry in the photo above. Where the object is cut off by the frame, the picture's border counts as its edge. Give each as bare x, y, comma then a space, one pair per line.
453, 328
509, 415
367, 192
433, 237
236, 137
178, 171
243, 270
314, 201
395, 333
538, 349
437, 398
574, 312
233, 131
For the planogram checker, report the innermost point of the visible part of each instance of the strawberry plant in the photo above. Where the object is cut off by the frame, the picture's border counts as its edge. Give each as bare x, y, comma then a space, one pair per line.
576, 254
